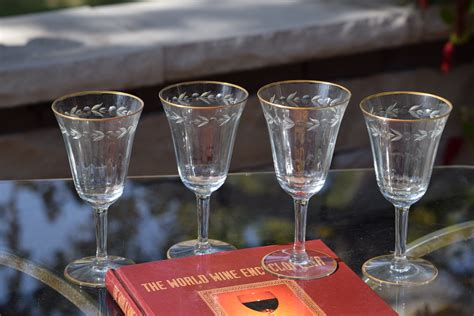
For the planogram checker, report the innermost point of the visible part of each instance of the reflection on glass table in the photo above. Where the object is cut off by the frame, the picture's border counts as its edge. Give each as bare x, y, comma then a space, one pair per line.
44, 225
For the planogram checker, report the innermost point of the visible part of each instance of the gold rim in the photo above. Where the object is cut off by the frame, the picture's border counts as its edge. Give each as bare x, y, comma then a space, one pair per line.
160, 94
364, 100
303, 81
77, 94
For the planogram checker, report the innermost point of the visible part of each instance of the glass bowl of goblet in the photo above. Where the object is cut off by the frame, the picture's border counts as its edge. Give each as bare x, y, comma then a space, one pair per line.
303, 119
98, 129
203, 118
404, 129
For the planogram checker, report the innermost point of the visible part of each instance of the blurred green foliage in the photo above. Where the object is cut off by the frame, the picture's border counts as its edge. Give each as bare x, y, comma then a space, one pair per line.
16, 7
450, 14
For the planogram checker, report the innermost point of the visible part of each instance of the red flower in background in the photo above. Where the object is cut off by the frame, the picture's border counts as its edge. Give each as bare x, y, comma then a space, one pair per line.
455, 14
423, 4
446, 62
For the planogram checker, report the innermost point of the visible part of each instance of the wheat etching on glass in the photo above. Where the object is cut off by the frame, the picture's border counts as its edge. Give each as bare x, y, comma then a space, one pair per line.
303, 119
203, 118
404, 130
98, 130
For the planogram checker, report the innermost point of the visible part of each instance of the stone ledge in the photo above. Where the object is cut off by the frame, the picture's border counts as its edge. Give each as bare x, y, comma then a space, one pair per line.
43, 56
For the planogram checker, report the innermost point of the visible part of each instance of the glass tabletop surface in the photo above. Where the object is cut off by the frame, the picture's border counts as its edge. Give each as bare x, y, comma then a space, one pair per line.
44, 225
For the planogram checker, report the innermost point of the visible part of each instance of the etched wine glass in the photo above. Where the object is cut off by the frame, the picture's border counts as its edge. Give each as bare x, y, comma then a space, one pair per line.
203, 118
404, 130
303, 119
98, 129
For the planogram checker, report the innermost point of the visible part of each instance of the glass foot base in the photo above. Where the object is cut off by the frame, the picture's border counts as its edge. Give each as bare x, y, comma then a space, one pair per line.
318, 266
189, 248
86, 271
418, 271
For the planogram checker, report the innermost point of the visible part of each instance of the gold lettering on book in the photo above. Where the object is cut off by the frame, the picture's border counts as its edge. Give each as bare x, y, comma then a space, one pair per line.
248, 272
319, 261
188, 280
123, 302
252, 272
288, 266
224, 275
154, 286
280, 266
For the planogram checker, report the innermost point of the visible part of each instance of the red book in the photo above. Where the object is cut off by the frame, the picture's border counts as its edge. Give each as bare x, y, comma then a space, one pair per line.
234, 283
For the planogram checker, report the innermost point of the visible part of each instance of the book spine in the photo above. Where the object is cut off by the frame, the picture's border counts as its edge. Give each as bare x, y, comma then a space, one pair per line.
121, 295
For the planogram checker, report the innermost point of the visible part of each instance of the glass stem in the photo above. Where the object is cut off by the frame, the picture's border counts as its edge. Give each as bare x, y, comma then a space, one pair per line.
100, 215
399, 263
203, 221
299, 254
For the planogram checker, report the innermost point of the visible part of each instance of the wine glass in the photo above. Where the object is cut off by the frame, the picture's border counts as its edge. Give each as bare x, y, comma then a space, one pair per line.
404, 130
98, 129
303, 119
264, 302
203, 118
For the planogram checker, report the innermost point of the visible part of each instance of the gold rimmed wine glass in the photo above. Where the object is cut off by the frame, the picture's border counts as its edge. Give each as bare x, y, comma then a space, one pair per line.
203, 117
98, 128
404, 130
303, 119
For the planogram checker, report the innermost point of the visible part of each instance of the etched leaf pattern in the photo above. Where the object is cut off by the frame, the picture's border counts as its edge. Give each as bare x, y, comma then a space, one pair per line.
331, 116
418, 111
122, 132
306, 100
336, 117
132, 129
311, 124
185, 98
176, 118
270, 120
75, 134
374, 131
423, 111
394, 135
438, 130
63, 130
420, 135
287, 123
201, 120
97, 135
389, 134
224, 119
207, 97
392, 111
98, 111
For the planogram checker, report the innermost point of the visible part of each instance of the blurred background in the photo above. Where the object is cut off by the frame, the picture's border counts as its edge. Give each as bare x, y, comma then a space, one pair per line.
49, 48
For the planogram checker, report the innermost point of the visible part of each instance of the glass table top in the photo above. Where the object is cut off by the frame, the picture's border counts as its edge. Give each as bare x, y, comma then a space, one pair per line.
44, 225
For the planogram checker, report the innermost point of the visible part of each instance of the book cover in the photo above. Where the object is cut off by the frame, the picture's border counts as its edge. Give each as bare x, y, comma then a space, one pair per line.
234, 283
